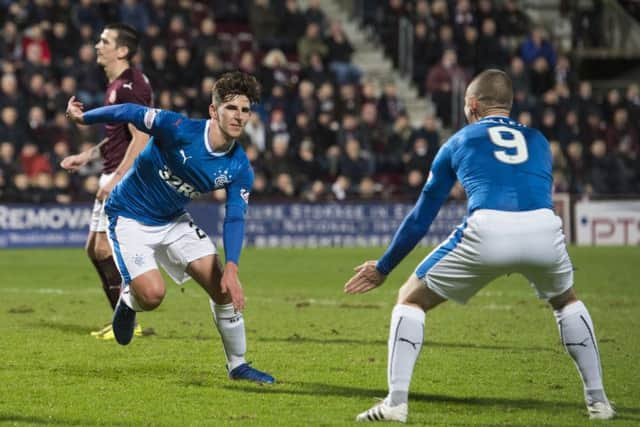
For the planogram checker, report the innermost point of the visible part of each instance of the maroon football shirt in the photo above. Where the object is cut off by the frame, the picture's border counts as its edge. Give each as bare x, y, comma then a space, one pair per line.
130, 86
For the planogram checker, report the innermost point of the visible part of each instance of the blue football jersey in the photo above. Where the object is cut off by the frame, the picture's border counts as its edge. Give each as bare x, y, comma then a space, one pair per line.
501, 164
177, 165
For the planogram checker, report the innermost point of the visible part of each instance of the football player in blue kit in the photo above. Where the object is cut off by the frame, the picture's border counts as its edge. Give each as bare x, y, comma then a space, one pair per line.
505, 169
148, 223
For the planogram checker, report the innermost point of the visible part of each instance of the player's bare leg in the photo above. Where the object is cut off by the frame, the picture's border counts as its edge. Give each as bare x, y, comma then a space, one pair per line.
405, 342
144, 293
579, 339
207, 271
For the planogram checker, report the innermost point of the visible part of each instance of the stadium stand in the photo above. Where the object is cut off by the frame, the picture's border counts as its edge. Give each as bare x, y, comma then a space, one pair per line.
335, 120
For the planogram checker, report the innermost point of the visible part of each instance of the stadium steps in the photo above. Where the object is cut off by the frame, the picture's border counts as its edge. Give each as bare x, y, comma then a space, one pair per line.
375, 66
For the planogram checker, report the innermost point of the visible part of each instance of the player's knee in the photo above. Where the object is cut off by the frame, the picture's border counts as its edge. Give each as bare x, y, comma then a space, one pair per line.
150, 297
567, 297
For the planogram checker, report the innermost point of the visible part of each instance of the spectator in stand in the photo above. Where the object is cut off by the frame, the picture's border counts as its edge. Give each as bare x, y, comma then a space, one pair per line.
594, 128
468, 50
622, 132
62, 191
632, 99
178, 35
8, 164
491, 53
11, 128
569, 130
348, 100
63, 47
311, 43
160, 71
390, 105
443, 42
308, 167
314, 13
207, 39
20, 190
601, 179
429, 130
541, 77
440, 81
355, 163
549, 125
389, 159
563, 73
9, 41
256, 132
89, 77
316, 71
275, 71
485, 9
10, 95
440, 14
265, 23
584, 101
612, 102
32, 161
189, 71
339, 57
422, 42
628, 167
292, 26
135, 14
577, 166
513, 21
373, 129
420, 156
463, 17
87, 12
536, 46
278, 160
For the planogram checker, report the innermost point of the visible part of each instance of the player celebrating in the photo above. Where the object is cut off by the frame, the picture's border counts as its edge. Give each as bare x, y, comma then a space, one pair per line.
505, 169
148, 223
118, 44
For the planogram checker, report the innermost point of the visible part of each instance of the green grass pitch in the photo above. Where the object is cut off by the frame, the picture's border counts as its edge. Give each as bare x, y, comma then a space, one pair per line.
496, 362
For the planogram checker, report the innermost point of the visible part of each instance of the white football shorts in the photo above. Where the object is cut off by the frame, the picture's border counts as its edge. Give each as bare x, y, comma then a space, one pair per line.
489, 244
139, 248
99, 221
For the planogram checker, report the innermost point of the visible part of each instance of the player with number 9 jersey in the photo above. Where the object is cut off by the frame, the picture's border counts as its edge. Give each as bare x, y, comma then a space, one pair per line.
505, 169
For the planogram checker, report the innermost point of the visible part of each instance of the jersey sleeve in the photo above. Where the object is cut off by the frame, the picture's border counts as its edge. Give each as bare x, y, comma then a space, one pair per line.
417, 222
236, 208
162, 124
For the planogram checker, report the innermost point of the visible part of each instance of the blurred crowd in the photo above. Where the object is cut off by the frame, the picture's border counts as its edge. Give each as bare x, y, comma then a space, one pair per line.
322, 130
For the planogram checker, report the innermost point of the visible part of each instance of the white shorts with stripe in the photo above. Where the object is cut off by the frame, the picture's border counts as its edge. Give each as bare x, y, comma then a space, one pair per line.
489, 244
99, 221
138, 248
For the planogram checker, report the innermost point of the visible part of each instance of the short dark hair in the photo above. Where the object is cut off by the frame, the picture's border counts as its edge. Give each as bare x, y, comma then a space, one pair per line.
494, 89
127, 36
235, 83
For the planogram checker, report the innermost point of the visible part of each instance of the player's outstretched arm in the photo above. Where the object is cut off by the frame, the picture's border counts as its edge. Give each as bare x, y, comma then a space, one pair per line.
367, 277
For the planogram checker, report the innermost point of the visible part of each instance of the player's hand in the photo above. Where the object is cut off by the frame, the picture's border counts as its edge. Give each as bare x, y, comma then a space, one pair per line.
74, 110
231, 285
367, 277
74, 162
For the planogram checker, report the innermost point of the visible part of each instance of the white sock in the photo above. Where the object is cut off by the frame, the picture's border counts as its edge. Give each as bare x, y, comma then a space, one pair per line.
405, 341
130, 300
231, 327
579, 339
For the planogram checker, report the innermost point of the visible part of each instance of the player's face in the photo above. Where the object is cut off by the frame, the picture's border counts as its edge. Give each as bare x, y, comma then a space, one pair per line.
232, 115
106, 50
